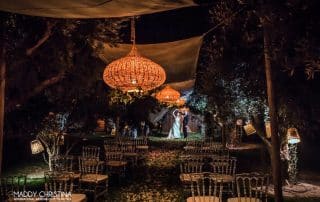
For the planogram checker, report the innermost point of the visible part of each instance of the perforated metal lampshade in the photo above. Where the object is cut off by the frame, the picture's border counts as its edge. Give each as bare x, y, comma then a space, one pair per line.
36, 147
134, 73
168, 95
293, 136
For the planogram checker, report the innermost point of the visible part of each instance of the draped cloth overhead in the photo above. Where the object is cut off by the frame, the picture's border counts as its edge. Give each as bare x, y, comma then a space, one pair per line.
91, 8
178, 58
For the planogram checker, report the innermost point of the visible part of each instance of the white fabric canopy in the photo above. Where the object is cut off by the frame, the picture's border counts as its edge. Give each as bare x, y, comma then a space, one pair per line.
178, 58
91, 8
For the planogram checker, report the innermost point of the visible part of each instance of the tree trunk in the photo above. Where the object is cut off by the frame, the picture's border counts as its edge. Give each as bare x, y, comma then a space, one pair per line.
275, 156
2, 100
50, 162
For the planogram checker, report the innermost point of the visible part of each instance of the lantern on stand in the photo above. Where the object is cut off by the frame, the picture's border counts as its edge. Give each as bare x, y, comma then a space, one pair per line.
293, 140
36, 147
249, 128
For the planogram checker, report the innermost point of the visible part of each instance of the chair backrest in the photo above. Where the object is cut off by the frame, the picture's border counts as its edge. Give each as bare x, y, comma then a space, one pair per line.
128, 148
112, 148
141, 142
11, 184
91, 151
252, 185
225, 166
62, 163
202, 185
58, 181
89, 165
191, 167
114, 156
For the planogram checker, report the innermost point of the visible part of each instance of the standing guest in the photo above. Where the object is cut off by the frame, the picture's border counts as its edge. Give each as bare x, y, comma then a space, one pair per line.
185, 124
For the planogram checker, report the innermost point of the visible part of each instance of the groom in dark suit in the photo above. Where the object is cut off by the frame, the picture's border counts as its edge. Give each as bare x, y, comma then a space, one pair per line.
185, 123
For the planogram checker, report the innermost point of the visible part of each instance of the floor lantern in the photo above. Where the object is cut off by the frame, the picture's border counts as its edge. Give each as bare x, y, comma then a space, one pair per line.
293, 140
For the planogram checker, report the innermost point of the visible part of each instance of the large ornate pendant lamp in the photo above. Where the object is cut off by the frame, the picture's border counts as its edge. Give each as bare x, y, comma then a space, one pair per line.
134, 73
168, 95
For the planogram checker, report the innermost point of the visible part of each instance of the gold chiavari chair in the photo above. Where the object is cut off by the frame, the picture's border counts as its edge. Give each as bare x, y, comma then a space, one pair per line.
92, 176
225, 169
62, 182
205, 188
251, 187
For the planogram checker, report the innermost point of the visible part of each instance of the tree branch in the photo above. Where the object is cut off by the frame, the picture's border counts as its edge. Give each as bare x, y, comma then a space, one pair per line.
43, 39
44, 158
38, 89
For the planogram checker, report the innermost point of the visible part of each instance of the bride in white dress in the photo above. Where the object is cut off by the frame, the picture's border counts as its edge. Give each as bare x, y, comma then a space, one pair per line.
175, 131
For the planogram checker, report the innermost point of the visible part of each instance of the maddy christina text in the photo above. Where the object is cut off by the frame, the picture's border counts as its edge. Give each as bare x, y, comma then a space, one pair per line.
41, 194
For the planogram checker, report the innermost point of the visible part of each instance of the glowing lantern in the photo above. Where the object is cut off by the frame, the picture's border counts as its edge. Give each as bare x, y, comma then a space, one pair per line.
168, 95
134, 73
36, 147
268, 129
293, 136
180, 102
249, 129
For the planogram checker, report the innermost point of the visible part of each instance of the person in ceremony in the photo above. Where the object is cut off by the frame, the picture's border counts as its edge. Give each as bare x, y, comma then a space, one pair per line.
175, 131
185, 124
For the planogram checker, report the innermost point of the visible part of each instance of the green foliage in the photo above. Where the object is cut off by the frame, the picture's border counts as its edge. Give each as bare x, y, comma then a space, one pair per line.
198, 103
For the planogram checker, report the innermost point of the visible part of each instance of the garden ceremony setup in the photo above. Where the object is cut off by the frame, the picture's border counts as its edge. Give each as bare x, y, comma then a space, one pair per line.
160, 101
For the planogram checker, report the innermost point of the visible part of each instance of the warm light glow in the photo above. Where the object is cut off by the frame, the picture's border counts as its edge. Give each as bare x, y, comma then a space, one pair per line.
180, 102
293, 136
249, 129
134, 73
268, 129
168, 95
36, 147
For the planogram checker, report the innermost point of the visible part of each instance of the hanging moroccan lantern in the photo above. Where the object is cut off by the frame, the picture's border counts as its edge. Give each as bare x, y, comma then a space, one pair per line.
134, 73
36, 147
168, 95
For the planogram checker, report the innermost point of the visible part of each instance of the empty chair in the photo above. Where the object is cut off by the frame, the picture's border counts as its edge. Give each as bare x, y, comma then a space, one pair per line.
115, 163
92, 177
188, 167
251, 187
60, 182
205, 188
225, 169
141, 145
129, 153
91, 152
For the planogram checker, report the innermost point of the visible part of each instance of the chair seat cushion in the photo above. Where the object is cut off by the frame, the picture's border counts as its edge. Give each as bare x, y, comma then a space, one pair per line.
116, 163
185, 177
93, 178
223, 177
142, 147
130, 154
244, 199
203, 199
74, 198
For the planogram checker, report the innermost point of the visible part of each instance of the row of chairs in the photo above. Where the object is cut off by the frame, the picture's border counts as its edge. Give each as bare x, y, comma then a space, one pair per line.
251, 187
205, 149
224, 168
